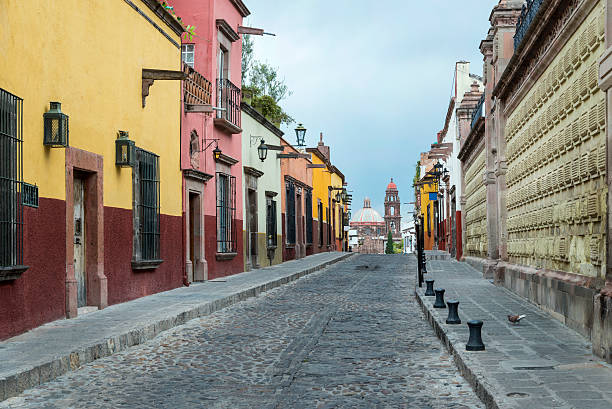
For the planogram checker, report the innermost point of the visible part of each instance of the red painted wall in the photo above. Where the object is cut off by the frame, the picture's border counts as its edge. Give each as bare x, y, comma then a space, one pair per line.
221, 268
38, 296
125, 284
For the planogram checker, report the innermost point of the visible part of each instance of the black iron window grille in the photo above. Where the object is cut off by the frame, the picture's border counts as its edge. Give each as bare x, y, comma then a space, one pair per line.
226, 213
228, 98
11, 179
320, 213
308, 216
477, 114
271, 231
290, 213
147, 207
528, 13
29, 195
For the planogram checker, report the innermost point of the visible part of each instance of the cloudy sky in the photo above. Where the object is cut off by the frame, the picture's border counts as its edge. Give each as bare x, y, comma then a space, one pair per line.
374, 77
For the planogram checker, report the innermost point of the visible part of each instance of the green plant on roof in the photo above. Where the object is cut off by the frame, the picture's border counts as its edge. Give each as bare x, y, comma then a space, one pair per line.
189, 29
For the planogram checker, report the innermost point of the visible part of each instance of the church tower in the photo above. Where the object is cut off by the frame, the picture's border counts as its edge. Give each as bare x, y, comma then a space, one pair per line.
393, 216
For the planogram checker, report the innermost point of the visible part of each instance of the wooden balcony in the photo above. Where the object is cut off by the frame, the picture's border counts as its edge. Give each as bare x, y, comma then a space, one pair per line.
197, 91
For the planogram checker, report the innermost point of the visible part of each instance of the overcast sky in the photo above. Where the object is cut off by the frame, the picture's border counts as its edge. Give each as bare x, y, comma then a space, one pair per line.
374, 77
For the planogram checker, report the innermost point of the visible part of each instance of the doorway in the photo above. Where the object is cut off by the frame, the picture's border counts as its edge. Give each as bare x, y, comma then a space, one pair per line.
252, 227
80, 224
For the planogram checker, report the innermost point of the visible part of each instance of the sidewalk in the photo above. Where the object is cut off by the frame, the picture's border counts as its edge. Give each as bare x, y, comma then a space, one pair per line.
53, 349
538, 363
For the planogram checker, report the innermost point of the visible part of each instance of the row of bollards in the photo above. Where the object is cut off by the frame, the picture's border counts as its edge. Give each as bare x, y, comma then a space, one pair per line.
475, 326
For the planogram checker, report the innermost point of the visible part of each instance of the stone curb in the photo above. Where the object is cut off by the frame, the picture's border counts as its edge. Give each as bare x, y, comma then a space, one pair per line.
483, 389
42, 372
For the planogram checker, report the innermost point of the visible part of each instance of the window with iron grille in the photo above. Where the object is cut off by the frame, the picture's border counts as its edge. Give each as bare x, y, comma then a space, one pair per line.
147, 208
320, 213
271, 222
308, 216
11, 179
290, 212
226, 213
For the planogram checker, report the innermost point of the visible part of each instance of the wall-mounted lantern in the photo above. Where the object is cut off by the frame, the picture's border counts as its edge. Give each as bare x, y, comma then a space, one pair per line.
300, 133
262, 151
55, 127
125, 150
217, 152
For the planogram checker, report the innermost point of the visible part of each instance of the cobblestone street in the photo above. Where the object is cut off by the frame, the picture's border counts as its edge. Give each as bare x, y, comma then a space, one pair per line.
350, 336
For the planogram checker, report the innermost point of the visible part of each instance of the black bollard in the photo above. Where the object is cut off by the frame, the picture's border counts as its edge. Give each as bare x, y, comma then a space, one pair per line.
475, 341
429, 291
453, 312
439, 298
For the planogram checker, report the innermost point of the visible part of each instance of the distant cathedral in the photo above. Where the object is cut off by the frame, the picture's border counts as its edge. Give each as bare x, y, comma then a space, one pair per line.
393, 218
371, 230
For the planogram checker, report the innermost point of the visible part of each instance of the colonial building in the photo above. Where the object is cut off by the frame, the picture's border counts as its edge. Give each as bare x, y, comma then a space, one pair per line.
262, 188
90, 181
211, 138
393, 215
370, 230
535, 164
296, 203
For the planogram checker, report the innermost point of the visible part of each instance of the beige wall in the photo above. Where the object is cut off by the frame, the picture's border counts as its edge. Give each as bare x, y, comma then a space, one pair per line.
556, 156
475, 206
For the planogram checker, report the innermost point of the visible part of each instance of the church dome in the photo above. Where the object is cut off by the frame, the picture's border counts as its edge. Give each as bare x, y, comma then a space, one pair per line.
391, 185
367, 215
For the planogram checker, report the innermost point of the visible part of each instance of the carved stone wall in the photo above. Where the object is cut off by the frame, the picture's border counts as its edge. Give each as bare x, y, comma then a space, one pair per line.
556, 154
475, 205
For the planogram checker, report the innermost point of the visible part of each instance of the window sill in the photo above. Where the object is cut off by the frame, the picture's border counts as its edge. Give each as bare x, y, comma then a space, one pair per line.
142, 265
289, 246
225, 256
11, 273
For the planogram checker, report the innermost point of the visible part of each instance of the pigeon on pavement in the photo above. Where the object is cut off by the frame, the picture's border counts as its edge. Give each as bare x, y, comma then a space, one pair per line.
515, 318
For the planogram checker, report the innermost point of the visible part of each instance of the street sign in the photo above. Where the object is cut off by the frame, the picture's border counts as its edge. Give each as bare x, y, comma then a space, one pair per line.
433, 195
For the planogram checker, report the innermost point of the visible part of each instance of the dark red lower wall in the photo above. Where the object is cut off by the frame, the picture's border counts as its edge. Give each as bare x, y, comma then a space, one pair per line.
38, 296
222, 268
125, 284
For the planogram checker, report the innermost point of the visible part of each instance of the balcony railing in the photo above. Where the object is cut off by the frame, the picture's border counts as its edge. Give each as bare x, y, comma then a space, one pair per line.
477, 114
197, 90
528, 13
228, 98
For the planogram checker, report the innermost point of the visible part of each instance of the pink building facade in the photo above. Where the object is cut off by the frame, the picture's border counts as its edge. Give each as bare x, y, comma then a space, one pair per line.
211, 138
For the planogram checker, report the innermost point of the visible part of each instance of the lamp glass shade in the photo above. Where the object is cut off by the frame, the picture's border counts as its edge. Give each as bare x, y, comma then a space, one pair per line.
300, 133
262, 151
55, 127
217, 153
124, 150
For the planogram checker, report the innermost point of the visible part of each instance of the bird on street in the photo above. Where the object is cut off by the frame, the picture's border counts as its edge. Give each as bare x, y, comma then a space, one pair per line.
515, 318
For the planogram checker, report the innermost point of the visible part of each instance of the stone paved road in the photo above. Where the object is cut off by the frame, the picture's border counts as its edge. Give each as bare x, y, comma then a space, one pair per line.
347, 337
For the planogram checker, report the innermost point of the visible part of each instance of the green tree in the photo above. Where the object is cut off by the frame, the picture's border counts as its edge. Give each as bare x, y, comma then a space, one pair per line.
389, 248
265, 78
247, 56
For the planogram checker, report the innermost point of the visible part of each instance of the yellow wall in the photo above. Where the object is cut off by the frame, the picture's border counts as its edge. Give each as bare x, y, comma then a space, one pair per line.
321, 180
89, 56
336, 182
556, 152
429, 227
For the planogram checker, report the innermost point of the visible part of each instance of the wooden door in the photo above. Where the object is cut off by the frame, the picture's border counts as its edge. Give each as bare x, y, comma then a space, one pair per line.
252, 227
79, 242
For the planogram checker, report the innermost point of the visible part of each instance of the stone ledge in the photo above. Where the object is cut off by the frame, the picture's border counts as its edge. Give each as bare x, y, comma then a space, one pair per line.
13, 383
